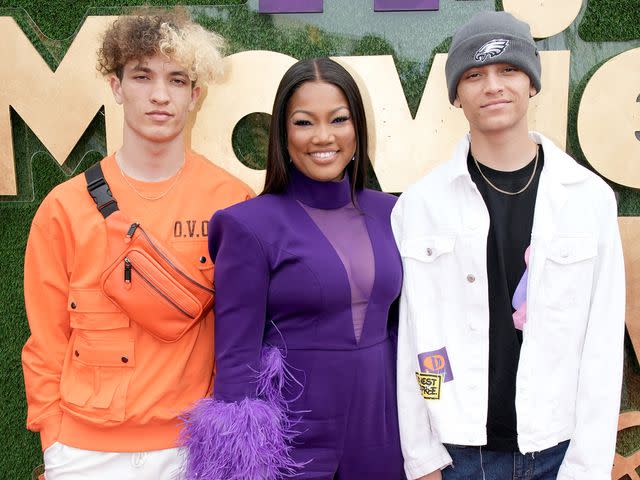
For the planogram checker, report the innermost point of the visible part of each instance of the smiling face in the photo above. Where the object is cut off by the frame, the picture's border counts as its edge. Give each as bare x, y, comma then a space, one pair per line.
495, 98
321, 139
156, 96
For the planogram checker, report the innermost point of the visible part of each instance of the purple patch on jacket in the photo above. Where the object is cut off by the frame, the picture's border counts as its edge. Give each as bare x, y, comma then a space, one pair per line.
436, 362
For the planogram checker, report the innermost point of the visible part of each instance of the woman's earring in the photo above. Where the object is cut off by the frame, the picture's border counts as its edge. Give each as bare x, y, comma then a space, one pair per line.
353, 158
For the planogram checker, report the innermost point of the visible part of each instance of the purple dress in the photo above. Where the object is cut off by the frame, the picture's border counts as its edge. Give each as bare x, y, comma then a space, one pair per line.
314, 276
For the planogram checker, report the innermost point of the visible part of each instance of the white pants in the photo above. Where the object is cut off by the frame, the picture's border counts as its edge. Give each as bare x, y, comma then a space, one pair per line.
62, 462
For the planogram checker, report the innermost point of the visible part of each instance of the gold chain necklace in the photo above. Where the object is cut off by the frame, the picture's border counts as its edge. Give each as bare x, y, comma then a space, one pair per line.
145, 197
533, 174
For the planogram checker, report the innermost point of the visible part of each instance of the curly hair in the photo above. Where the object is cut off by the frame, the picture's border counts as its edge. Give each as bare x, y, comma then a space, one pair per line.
169, 32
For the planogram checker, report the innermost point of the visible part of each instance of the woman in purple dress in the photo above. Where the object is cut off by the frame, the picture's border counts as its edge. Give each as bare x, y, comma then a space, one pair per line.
305, 276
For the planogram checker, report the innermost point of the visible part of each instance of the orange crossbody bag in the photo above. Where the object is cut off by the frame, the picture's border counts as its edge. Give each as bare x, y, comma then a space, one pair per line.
144, 279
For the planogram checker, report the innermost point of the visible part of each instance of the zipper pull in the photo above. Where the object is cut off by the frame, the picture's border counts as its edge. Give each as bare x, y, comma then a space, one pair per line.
127, 270
130, 232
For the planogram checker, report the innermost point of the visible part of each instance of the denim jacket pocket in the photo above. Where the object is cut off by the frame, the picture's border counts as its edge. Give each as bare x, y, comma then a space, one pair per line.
568, 273
569, 250
428, 268
427, 249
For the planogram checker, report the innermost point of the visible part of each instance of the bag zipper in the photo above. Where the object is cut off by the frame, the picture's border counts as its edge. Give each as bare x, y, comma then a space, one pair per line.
128, 267
127, 270
132, 229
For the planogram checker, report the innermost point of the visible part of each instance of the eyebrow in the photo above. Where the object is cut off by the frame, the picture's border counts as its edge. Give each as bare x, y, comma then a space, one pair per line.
311, 113
144, 69
141, 68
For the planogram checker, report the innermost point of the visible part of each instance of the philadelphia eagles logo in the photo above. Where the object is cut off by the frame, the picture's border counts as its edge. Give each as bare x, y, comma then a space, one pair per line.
491, 49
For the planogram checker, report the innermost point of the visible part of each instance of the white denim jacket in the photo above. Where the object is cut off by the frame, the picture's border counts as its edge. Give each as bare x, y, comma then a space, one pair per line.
570, 370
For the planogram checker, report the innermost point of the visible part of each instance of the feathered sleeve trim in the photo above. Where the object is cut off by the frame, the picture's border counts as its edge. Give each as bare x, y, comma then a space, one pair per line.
248, 439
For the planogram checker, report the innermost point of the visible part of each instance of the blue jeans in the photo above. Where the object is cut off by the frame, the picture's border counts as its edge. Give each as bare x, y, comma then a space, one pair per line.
476, 463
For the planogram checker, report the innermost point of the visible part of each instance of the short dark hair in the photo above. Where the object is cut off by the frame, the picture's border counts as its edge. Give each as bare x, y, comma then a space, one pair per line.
315, 70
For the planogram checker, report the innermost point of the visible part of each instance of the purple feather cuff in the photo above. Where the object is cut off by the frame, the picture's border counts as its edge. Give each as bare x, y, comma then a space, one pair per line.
250, 439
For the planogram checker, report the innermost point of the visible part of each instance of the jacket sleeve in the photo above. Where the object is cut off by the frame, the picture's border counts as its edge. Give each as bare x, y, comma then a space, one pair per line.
46, 287
591, 449
241, 279
244, 430
422, 450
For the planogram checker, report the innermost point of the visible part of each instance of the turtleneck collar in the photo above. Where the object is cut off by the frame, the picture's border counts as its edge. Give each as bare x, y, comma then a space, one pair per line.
315, 194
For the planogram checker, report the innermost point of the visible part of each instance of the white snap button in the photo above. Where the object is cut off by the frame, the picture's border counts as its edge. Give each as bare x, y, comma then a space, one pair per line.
471, 278
429, 252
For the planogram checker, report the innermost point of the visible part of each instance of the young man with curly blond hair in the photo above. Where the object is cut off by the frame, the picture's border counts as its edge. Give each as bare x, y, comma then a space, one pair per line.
102, 390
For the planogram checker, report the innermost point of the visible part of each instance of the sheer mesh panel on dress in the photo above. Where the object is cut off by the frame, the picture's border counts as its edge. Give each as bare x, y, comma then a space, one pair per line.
346, 230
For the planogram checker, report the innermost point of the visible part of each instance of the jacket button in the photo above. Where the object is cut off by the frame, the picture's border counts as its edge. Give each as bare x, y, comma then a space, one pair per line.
124, 359
73, 305
471, 278
429, 252
203, 259
76, 353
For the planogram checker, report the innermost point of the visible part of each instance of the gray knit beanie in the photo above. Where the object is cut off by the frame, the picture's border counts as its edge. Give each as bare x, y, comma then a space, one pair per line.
492, 37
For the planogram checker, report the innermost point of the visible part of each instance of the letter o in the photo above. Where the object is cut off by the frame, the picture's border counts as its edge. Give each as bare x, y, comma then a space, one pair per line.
546, 18
609, 117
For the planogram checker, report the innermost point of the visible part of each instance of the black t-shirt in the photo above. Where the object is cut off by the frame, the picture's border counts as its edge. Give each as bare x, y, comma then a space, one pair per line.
511, 220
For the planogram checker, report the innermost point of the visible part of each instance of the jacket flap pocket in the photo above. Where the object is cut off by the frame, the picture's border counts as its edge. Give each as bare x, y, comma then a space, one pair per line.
206, 267
196, 252
567, 250
91, 309
104, 352
90, 300
94, 383
428, 248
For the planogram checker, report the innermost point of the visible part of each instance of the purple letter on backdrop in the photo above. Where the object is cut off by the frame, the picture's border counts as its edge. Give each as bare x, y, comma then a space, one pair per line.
290, 6
398, 5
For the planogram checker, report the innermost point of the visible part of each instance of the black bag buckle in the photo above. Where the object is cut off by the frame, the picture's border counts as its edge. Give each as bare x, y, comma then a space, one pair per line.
99, 191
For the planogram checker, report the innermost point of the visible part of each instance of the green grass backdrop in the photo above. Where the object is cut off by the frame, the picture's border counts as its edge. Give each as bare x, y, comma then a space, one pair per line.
51, 26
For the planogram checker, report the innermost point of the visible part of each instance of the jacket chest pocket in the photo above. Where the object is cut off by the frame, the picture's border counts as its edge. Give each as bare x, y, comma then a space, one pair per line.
428, 262
96, 376
90, 309
197, 253
568, 272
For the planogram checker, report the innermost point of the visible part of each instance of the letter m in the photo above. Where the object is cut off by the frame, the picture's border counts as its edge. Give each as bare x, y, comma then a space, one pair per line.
57, 106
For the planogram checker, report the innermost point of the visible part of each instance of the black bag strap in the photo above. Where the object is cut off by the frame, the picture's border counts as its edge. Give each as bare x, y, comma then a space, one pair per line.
100, 191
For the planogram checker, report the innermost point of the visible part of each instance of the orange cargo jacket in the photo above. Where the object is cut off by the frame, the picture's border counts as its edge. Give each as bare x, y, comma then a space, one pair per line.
94, 378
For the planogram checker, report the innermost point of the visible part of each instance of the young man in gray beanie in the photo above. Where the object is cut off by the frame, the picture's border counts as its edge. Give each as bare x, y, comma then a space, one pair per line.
512, 311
